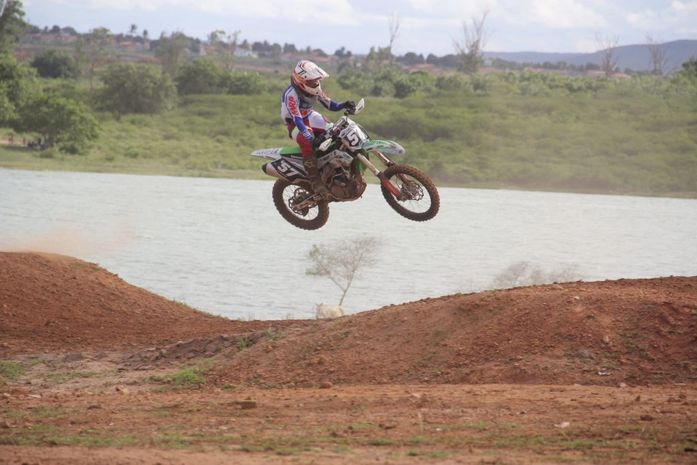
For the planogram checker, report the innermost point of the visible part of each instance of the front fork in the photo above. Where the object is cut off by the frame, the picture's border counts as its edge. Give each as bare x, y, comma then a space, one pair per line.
386, 183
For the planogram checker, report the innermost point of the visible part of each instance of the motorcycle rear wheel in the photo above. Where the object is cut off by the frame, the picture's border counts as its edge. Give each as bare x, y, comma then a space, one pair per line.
421, 200
285, 194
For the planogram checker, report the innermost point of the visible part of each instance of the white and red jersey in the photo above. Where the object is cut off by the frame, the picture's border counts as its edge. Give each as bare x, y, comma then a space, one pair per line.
297, 109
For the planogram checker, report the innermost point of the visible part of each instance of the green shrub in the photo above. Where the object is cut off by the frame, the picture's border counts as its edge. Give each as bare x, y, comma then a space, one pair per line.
131, 88
242, 83
61, 122
451, 82
404, 87
56, 64
200, 77
17, 82
689, 69
480, 84
390, 81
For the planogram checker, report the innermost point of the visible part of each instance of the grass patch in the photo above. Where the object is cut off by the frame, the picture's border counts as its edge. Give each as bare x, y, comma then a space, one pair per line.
171, 441
11, 370
362, 426
430, 454
481, 425
278, 445
188, 378
64, 377
13, 414
582, 444
95, 440
51, 435
382, 442
419, 440
244, 343
45, 412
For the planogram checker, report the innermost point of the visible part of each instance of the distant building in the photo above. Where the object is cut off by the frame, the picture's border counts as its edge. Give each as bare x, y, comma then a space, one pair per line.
209, 49
240, 52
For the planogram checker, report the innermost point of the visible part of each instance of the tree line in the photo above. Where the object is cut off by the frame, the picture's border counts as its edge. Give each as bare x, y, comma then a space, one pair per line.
28, 107
63, 115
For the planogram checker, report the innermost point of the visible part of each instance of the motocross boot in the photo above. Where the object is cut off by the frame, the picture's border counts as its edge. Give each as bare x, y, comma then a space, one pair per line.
310, 164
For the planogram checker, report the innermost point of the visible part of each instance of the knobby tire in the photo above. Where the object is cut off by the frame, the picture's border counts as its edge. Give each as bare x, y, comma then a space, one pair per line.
427, 184
280, 202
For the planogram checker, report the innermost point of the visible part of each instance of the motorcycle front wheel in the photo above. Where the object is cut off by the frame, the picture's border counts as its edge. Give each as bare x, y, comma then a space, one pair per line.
288, 199
419, 199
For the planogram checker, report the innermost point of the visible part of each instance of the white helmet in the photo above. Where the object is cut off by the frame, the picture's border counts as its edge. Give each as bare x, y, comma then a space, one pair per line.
307, 76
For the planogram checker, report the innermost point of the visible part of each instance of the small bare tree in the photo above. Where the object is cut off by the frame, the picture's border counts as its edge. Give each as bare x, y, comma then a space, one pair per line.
170, 51
658, 56
378, 56
225, 46
93, 50
470, 49
394, 32
608, 54
342, 262
527, 274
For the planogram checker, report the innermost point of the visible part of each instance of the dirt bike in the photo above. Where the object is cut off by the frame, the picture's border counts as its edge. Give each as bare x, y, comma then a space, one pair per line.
344, 152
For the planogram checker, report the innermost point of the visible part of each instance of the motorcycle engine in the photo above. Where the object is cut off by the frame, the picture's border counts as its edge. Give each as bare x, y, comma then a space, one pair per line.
343, 182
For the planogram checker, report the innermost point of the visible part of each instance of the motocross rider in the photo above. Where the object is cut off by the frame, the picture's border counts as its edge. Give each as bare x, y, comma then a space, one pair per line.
297, 112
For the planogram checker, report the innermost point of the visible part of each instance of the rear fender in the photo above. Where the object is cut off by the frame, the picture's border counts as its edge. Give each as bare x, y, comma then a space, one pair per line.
277, 152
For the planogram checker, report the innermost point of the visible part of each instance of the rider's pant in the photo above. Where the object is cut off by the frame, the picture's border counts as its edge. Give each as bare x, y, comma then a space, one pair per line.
318, 124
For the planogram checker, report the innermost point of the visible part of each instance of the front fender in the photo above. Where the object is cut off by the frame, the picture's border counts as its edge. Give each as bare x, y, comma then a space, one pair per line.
388, 147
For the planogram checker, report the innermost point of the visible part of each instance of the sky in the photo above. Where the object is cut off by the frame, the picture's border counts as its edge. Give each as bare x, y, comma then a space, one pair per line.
425, 26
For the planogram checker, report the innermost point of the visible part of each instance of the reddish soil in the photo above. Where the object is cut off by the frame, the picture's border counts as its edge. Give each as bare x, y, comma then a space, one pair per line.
633, 331
53, 302
94, 370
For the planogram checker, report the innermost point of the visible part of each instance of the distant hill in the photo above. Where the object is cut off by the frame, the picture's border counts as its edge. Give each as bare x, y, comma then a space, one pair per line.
634, 57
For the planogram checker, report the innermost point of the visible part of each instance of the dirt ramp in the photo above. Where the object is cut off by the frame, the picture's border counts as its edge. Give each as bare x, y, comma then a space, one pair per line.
54, 302
633, 331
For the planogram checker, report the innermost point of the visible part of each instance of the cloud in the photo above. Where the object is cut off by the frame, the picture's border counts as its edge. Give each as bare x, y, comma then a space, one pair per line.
302, 11
684, 6
677, 15
448, 10
680, 17
426, 25
586, 45
558, 14
645, 19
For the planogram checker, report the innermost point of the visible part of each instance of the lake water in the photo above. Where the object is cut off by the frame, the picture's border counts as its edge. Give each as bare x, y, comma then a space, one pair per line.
219, 245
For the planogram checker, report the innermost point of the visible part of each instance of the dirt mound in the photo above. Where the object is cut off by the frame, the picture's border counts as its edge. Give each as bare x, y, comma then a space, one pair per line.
54, 302
202, 347
633, 331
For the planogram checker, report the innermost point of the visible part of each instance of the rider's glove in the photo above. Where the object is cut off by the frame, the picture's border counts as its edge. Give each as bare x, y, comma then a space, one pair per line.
307, 134
349, 106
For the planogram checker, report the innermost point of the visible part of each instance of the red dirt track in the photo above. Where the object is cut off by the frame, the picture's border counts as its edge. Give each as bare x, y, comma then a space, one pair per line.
639, 331
58, 303
634, 331
94, 370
